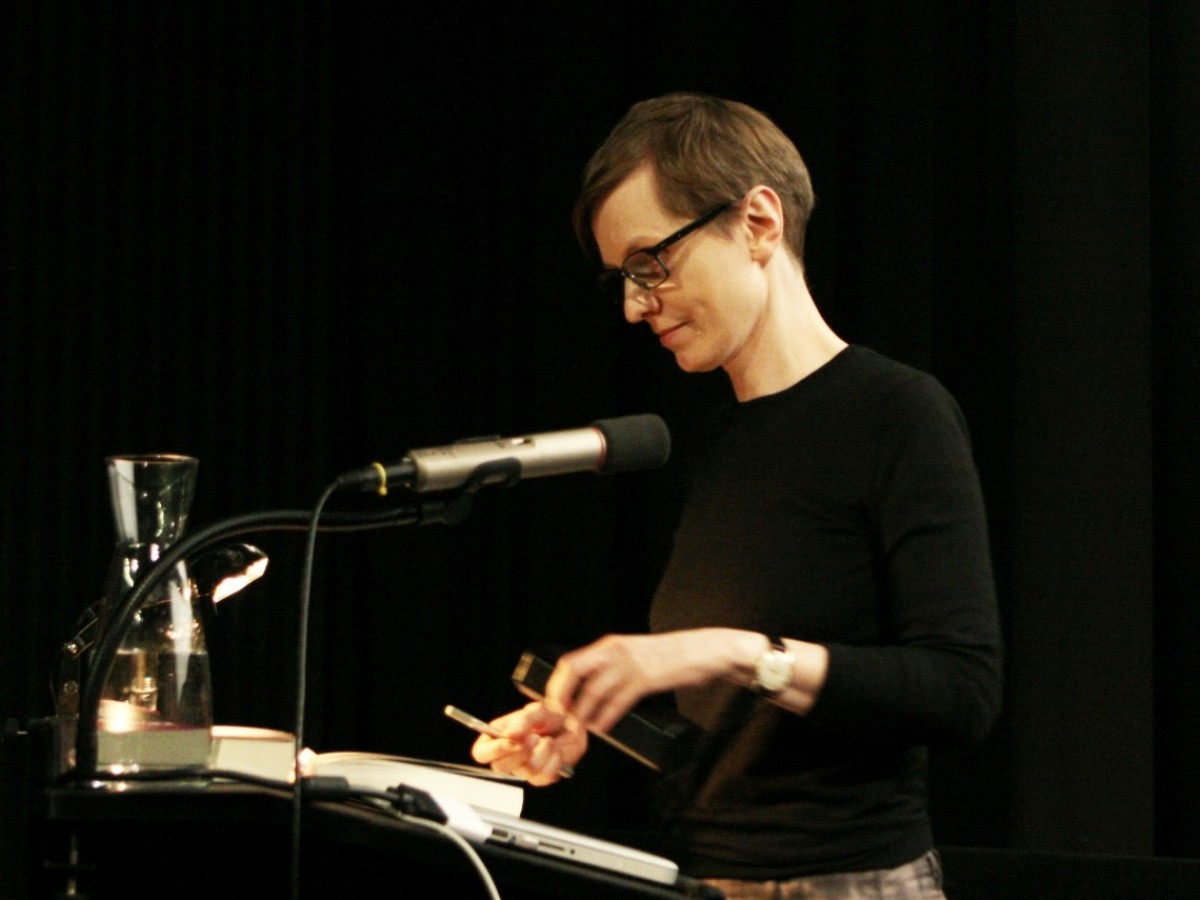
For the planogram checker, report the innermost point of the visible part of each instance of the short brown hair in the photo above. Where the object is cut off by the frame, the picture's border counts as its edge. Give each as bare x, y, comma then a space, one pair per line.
704, 151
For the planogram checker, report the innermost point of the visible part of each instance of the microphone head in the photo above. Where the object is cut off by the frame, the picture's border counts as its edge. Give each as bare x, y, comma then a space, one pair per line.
634, 442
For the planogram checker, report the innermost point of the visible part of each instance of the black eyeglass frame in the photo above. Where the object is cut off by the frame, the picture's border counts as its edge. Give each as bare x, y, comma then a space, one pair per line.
608, 274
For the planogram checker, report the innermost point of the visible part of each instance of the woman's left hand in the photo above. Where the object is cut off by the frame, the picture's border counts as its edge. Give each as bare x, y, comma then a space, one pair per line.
600, 683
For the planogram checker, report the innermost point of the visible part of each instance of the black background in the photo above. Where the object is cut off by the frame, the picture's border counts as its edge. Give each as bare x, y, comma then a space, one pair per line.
291, 239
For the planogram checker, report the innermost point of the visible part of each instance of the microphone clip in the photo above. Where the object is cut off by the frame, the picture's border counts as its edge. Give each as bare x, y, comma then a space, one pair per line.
504, 472
443, 511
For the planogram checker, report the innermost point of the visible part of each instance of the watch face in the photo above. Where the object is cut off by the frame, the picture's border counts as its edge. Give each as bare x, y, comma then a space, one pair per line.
774, 671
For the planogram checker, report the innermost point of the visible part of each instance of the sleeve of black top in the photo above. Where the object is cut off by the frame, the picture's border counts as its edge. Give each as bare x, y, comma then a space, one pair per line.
940, 675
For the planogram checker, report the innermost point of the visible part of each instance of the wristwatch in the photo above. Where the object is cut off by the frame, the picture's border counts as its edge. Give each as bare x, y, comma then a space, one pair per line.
773, 669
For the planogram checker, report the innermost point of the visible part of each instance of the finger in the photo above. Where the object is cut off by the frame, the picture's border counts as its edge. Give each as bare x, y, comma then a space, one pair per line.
489, 750
591, 694
562, 686
615, 706
516, 763
517, 723
537, 718
545, 763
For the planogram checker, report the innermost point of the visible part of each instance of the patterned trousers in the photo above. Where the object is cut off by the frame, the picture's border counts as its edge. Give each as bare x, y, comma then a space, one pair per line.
920, 879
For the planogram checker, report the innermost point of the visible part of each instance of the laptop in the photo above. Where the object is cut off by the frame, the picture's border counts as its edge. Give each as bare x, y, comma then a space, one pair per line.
494, 827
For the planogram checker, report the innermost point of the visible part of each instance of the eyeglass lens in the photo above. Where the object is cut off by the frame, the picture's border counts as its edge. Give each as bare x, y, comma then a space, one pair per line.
641, 268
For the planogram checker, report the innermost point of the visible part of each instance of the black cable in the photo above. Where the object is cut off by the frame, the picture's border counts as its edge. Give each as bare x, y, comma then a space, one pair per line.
302, 682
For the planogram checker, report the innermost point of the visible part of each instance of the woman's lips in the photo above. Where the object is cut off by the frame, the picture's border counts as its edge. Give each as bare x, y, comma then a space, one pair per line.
668, 336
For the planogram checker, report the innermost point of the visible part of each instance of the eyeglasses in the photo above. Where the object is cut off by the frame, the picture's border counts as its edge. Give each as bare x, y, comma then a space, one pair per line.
645, 267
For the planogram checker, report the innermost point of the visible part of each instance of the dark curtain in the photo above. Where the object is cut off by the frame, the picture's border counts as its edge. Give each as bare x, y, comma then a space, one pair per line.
290, 240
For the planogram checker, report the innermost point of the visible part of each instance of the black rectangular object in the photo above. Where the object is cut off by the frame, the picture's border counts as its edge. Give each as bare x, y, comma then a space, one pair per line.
656, 736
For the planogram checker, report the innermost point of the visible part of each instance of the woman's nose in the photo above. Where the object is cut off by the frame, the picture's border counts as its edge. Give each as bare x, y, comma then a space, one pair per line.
639, 302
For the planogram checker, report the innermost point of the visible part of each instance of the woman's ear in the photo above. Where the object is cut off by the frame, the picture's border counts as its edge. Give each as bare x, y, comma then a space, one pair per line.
763, 215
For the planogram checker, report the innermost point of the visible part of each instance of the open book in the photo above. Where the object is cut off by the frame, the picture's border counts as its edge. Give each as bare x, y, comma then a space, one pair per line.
268, 754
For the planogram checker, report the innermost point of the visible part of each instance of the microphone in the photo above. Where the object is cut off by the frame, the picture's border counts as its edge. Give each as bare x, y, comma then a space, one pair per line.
607, 446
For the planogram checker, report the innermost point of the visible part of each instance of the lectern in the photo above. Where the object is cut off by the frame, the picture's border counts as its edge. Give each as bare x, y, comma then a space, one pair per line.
229, 841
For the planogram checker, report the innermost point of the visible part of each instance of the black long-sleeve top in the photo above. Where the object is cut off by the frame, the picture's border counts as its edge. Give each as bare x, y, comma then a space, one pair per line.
845, 511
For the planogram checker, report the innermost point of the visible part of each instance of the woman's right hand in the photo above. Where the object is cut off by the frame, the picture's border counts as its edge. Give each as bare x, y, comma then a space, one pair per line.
537, 744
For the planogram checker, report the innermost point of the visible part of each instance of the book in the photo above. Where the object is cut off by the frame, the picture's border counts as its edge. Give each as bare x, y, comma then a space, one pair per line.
254, 751
266, 753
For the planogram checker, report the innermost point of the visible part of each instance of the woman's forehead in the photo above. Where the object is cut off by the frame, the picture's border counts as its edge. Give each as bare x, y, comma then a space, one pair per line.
631, 217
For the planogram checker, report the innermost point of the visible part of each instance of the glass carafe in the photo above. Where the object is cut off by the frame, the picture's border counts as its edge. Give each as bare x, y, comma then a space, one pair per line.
156, 706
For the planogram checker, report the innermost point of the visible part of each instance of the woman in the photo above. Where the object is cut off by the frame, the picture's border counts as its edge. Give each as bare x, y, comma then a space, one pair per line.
828, 610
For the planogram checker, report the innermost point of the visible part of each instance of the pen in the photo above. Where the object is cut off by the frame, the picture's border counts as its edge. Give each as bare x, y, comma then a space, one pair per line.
477, 724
